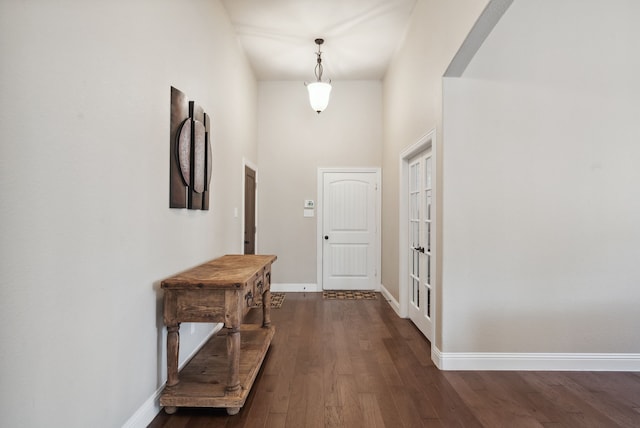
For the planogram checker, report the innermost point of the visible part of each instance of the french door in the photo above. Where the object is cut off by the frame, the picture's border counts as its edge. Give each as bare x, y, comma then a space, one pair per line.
421, 279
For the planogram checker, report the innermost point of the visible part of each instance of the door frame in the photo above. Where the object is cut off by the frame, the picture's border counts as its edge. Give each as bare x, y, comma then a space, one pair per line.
319, 224
249, 164
427, 141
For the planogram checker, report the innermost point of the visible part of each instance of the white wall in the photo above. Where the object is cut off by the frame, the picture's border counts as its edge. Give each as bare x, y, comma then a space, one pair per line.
413, 106
293, 142
86, 231
541, 196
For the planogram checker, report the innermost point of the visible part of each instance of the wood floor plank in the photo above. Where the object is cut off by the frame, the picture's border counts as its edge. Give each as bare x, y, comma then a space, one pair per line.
340, 343
333, 417
490, 405
600, 400
450, 408
329, 374
620, 386
350, 409
576, 411
521, 392
509, 400
296, 411
283, 353
276, 420
258, 412
355, 364
371, 410
410, 415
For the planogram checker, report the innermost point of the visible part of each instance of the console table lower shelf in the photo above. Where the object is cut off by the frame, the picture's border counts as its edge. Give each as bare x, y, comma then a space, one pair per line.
203, 380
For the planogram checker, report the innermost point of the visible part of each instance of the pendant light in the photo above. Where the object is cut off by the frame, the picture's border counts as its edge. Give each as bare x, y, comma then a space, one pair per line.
319, 91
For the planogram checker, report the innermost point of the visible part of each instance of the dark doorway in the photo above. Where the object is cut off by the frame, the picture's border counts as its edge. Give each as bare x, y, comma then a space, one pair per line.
249, 211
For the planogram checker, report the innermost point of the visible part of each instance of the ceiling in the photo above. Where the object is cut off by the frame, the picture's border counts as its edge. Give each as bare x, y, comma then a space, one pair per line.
360, 36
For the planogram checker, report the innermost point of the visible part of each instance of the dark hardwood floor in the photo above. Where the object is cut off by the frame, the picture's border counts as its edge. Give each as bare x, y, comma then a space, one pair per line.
337, 363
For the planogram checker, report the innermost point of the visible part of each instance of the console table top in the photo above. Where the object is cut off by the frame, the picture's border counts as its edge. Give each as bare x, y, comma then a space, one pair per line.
230, 271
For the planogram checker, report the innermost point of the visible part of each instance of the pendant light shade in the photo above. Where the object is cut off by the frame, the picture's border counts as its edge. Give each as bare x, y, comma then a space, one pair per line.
319, 95
319, 91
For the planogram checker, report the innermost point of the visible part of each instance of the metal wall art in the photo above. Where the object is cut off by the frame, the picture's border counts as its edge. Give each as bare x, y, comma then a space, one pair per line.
190, 154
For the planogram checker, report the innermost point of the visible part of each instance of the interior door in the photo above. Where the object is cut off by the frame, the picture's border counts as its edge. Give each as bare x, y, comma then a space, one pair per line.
349, 231
249, 211
420, 225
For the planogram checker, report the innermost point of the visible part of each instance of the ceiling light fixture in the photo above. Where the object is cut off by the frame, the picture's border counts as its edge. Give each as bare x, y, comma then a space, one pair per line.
319, 91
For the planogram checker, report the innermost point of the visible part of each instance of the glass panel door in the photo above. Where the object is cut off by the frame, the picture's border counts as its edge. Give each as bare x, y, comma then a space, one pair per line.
421, 229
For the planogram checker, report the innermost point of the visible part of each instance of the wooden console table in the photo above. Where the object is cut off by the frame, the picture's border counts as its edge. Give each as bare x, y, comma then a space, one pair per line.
222, 290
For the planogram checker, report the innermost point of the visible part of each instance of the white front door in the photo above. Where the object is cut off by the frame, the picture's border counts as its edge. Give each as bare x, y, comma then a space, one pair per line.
350, 255
421, 279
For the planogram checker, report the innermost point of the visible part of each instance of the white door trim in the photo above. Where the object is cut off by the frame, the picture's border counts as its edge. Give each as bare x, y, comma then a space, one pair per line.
425, 142
319, 219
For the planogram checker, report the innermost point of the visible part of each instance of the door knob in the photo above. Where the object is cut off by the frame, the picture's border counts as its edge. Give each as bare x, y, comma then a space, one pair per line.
326, 237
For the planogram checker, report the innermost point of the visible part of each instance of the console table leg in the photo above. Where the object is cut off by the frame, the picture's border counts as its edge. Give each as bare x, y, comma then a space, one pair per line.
233, 352
266, 308
173, 347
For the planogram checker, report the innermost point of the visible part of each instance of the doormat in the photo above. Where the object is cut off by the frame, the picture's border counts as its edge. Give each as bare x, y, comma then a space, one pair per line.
349, 295
276, 301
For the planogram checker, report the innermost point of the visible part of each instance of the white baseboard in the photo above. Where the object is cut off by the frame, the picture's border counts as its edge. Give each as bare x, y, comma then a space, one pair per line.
150, 408
534, 361
390, 299
314, 288
295, 288
145, 414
